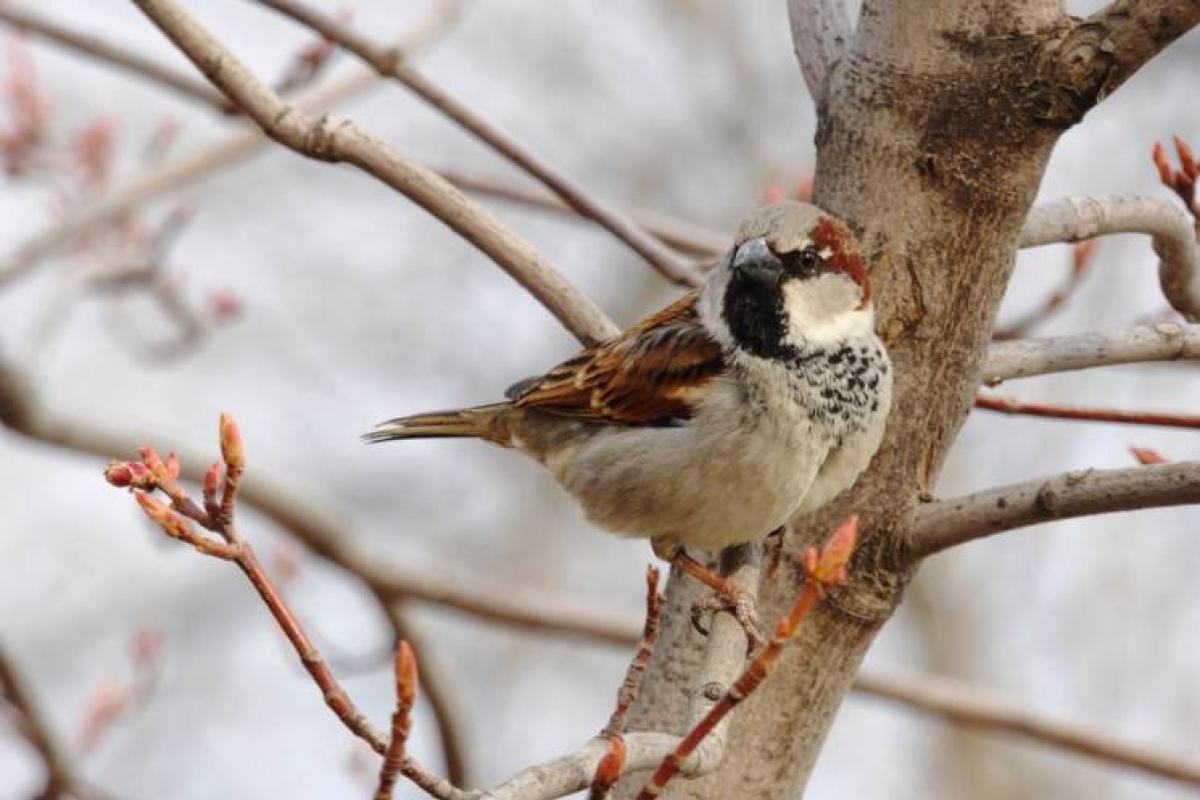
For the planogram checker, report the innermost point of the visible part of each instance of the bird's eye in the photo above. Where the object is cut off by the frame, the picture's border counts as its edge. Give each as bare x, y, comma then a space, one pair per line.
805, 263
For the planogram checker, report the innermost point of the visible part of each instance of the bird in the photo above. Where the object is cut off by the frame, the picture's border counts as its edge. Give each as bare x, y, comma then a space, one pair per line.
757, 396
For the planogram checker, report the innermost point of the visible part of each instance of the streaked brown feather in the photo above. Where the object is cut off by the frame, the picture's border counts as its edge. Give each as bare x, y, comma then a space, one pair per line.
652, 374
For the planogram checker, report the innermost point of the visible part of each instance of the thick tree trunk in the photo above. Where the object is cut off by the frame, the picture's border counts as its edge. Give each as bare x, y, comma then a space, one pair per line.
934, 130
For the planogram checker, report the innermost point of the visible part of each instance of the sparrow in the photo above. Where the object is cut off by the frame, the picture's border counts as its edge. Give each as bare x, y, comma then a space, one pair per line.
758, 396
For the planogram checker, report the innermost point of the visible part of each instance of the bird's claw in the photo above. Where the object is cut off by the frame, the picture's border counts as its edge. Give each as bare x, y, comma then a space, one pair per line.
740, 605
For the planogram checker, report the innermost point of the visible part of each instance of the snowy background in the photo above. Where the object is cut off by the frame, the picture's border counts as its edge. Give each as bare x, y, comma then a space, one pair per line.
357, 307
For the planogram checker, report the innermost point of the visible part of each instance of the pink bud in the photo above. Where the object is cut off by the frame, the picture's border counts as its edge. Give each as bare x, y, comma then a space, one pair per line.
162, 516
232, 451
118, 473
1187, 160
172, 466
212, 480
1165, 173
155, 464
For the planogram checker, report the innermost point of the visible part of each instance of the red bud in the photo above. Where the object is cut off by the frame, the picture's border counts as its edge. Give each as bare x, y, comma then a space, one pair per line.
1165, 173
212, 481
172, 466
162, 516
118, 473
1187, 160
1146, 456
155, 464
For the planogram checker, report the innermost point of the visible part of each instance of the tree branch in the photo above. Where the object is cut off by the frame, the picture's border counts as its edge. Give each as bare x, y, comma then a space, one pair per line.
59, 779
1103, 51
178, 520
1010, 405
946, 523
1025, 358
389, 62
222, 154
820, 33
683, 235
336, 140
117, 55
966, 705
1077, 218
310, 524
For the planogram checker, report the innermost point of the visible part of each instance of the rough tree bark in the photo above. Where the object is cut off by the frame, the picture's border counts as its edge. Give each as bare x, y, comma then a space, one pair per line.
934, 127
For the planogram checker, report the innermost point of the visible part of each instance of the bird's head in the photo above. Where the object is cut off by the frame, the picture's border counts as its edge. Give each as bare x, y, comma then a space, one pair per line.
794, 279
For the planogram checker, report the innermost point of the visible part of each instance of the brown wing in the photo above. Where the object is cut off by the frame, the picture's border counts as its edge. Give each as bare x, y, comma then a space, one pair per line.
652, 374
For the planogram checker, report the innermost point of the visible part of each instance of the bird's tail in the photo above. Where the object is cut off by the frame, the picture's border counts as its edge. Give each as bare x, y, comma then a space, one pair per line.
489, 423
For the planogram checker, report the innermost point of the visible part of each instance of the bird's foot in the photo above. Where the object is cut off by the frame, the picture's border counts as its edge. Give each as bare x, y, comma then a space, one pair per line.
727, 597
738, 603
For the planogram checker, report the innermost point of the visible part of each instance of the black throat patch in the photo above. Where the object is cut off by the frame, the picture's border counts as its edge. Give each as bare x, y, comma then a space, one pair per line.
755, 316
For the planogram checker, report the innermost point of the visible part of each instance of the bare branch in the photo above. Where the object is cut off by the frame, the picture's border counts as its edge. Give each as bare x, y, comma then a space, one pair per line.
572, 773
436, 694
222, 154
1077, 218
1106, 49
1025, 358
1010, 405
389, 62
117, 55
683, 235
152, 474
1081, 259
972, 707
29, 721
334, 140
820, 33
946, 523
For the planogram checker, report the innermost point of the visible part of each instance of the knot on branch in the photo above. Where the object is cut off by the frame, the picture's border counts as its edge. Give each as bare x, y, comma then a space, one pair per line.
320, 141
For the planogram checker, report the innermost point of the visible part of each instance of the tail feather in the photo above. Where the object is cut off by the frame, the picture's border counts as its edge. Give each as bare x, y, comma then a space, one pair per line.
480, 422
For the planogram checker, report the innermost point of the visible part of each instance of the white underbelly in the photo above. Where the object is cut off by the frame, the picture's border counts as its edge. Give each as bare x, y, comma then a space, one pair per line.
707, 491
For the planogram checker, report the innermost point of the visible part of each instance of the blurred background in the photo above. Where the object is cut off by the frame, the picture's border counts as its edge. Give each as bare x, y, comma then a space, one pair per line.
316, 302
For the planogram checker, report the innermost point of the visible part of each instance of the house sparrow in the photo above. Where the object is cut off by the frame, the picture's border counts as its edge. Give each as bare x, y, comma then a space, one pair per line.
760, 395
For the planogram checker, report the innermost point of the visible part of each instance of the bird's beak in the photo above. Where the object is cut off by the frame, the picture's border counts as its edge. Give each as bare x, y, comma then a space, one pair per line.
755, 261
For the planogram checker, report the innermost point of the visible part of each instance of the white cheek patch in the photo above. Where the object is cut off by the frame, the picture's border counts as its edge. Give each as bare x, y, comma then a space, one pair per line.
824, 309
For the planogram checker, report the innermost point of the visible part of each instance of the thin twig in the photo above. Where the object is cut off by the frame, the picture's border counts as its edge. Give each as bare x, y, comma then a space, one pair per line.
406, 695
339, 140
683, 235
436, 694
224, 153
943, 524
117, 55
1010, 405
59, 779
972, 707
1082, 255
613, 763
176, 521
390, 62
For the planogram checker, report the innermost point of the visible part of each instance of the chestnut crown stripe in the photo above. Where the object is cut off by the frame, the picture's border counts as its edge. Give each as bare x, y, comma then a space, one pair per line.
833, 235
